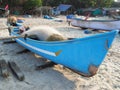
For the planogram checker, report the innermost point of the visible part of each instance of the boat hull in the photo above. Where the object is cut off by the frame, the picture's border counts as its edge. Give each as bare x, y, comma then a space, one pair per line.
83, 55
97, 24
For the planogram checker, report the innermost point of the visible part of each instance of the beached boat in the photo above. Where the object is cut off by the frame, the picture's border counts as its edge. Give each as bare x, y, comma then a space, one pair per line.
116, 17
83, 55
96, 24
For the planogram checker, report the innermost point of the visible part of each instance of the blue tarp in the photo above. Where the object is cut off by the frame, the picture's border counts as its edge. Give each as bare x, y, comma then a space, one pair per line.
2, 9
70, 16
63, 7
47, 17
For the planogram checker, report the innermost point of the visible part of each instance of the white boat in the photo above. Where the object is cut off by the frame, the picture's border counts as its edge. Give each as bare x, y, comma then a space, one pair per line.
96, 24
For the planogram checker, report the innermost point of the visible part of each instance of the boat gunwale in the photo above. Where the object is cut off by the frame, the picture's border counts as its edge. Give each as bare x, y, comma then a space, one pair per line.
73, 40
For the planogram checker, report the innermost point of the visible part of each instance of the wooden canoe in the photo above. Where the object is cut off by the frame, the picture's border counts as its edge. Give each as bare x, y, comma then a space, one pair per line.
83, 55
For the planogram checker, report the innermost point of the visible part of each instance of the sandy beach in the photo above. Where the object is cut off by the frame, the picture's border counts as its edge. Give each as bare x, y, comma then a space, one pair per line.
57, 78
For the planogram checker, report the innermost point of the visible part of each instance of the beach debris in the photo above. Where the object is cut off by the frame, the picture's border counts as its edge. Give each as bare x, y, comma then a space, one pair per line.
4, 68
16, 70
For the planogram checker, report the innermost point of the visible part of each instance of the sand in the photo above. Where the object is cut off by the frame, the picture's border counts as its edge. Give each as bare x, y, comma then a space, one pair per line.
57, 78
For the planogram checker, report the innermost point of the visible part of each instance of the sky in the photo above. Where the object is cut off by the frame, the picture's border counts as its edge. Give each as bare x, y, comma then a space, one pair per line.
117, 0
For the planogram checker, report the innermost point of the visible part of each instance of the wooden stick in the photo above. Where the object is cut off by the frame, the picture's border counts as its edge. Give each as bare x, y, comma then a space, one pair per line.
11, 37
3, 28
87, 16
16, 70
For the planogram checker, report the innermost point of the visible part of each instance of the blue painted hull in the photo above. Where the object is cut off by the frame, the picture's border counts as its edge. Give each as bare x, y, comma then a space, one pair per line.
83, 55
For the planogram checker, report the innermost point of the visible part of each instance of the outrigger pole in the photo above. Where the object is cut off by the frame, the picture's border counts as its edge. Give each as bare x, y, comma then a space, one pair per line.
13, 37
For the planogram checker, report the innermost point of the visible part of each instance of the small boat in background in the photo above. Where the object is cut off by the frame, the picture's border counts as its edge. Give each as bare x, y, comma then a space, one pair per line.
107, 25
82, 55
116, 17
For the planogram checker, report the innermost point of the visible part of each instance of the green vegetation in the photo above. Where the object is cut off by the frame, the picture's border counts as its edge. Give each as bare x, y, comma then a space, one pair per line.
80, 3
31, 4
26, 5
96, 3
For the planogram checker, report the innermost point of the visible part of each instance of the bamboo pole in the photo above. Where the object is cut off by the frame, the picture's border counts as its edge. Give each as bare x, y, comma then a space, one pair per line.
12, 37
3, 28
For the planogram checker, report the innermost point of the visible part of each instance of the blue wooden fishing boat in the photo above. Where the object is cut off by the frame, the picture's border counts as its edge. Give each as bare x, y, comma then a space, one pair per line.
83, 55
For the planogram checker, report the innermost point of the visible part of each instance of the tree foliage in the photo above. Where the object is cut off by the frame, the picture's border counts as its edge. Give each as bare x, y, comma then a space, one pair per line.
96, 3
80, 3
54, 2
116, 4
31, 4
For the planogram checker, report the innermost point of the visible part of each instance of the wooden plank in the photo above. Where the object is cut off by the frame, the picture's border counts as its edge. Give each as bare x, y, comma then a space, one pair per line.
4, 68
9, 42
16, 70
12, 37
